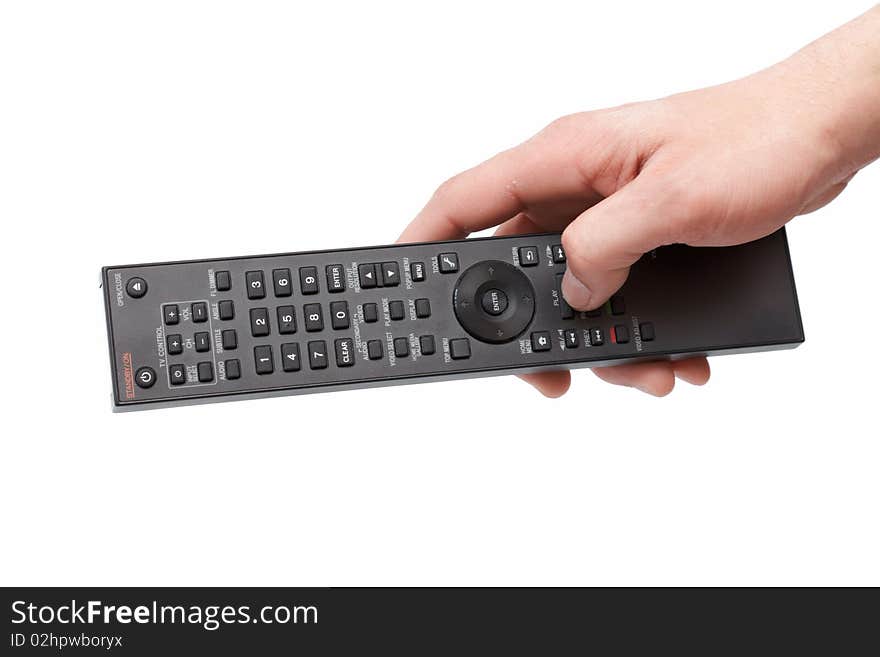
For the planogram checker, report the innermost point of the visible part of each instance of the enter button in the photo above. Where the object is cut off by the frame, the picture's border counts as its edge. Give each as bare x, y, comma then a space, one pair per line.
494, 302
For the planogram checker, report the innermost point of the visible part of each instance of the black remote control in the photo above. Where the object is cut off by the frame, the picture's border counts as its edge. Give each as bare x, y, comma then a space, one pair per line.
259, 326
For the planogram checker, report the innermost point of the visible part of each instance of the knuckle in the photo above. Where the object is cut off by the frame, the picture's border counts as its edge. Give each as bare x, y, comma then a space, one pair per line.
447, 187
579, 249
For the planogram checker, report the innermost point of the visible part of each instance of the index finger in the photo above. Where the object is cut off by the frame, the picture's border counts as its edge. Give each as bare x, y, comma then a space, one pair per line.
540, 170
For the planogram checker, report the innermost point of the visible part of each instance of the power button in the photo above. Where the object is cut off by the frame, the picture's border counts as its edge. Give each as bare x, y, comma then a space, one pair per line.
145, 377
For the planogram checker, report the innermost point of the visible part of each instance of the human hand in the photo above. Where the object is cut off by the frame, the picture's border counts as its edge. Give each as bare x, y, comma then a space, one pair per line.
719, 166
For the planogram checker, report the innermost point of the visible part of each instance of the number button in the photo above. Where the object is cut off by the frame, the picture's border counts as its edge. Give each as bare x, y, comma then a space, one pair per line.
290, 357
286, 320
339, 315
281, 282
308, 280
318, 355
255, 285
335, 278
259, 322
314, 317
263, 359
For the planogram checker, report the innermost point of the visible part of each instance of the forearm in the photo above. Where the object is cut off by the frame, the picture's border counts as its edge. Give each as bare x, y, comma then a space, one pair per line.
841, 72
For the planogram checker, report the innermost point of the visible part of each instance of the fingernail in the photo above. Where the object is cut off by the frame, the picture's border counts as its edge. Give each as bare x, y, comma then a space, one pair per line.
576, 293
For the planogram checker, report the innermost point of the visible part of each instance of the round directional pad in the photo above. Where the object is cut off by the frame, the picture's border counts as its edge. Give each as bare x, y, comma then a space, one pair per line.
494, 301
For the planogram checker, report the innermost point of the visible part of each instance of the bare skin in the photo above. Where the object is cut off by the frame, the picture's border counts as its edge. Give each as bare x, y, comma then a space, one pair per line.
713, 167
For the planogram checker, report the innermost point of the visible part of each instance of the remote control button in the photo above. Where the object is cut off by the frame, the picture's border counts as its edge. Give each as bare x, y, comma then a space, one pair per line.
177, 375
290, 357
203, 341
136, 287
528, 256
390, 274
335, 278
174, 343
344, 352
371, 313
314, 317
286, 320
621, 334
571, 339
256, 288
596, 312
226, 310
223, 281
318, 355
397, 310
308, 280
229, 339
281, 282
367, 275
401, 347
646, 330
206, 372
263, 359
565, 311
469, 293
339, 318
447, 263
259, 322
233, 369
460, 348
417, 271
145, 377
374, 350
494, 302
171, 314
423, 308
427, 345
618, 307
199, 312
558, 253
597, 337
541, 341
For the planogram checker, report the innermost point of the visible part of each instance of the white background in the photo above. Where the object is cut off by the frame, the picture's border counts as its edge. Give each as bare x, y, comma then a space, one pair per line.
134, 132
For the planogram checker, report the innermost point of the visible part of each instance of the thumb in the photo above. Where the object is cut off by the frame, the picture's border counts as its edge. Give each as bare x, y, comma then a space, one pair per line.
602, 243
